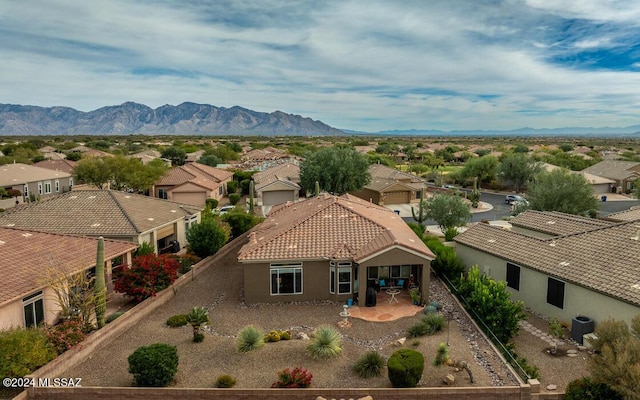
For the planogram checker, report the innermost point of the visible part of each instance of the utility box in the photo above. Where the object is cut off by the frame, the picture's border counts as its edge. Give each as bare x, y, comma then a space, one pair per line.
580, 326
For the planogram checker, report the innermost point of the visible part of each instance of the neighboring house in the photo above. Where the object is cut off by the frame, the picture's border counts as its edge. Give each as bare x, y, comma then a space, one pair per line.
390, 186
599, 184
57, 165
632, 214
193, 157
147, 156
108, 213
29, 258
623, 173
561, 265
269, 156
277, 185
193, 183
330, 248
34, 182
89, 152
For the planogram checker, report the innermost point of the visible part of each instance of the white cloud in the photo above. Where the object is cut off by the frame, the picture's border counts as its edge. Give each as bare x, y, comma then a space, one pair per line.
367, 65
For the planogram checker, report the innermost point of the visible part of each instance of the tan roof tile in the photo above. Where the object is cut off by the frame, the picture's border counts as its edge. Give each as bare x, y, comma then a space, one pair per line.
18, 174
329, 226
25, 255
606, 260
556, 223
97, 212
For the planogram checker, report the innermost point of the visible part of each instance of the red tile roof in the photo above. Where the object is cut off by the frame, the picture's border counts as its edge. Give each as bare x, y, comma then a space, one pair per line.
329, 226
26, 255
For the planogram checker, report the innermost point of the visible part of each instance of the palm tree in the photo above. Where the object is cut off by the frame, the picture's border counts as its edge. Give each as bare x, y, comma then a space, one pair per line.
197, 317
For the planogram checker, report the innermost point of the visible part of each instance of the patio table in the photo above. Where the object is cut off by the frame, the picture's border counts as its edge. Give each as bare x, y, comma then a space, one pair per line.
393, 293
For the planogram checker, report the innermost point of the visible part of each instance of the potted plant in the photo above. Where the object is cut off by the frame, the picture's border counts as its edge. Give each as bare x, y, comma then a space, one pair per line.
415, 295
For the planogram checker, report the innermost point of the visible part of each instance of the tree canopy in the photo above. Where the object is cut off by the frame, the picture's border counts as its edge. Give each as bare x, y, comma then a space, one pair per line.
484, 168
337, 169
562, 191
208, 236
119, 172
449, 211
518, 169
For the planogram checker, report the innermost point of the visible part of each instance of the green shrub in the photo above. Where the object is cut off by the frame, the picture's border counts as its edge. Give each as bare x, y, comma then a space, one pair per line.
113, 316
232, 187
225, 381
490, 300
430, 309
586, 389
293, 378
154, 365
23, 351
446, 262
176, 321
197, 317
240, 221
249, 338
285, 335
273, 336
211, 203
369, 365
198, 337
428, 325
145, 249
234, 198
405, 368
436, 305
326, 343
450, 233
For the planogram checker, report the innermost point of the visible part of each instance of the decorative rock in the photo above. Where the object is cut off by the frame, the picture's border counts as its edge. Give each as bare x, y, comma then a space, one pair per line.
449, 379
320, 398
582, 348
365, 398
552, 387
302, 336
572, 351
400, 342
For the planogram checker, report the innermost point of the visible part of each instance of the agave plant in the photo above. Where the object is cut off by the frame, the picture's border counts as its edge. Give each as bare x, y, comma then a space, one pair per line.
197, 317
326, 343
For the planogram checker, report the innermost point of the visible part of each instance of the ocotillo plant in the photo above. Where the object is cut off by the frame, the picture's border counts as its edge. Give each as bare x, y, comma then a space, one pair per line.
100, 286
251, 194
421, 215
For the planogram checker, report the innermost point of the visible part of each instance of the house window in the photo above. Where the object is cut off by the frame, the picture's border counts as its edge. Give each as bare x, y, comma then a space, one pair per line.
343, 272
220, 190
47, 187
39, 187
162, 194
418, 193
286, 279
70, 183
555, 292
26, 191
33, 306
57, 186
513, 276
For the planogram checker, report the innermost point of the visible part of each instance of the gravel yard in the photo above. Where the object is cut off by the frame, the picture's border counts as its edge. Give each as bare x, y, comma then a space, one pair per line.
219, 289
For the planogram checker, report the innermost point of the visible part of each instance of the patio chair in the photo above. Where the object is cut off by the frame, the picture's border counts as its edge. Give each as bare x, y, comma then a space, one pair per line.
382, 283
400, 283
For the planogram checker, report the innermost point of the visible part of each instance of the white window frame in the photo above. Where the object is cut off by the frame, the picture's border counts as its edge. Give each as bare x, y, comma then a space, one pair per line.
336, 269
286, 268
57, 186
47, 187
31, 300
162, 194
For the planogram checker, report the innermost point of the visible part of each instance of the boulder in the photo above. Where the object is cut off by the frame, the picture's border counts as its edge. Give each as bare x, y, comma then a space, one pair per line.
449, 379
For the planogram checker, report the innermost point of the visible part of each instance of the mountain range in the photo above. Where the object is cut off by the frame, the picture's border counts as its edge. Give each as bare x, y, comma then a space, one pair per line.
204, 119
134, 118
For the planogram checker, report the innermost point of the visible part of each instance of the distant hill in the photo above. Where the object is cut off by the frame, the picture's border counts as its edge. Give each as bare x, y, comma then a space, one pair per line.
134, 118
633, 131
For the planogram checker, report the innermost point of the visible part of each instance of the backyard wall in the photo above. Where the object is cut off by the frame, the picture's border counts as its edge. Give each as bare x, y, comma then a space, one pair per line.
523, 392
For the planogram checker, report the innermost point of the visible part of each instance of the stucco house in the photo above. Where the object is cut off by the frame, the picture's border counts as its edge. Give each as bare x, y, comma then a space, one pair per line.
193, 183
561, 265
63, 165
26, 260
623, 173
110, 214
34, 182
390, 186
330, 248
278, 184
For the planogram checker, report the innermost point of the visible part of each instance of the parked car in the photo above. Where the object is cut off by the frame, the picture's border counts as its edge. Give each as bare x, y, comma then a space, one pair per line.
514, 198
449, 187
225, 209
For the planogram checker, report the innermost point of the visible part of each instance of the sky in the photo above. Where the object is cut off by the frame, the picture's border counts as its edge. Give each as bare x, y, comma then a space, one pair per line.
366, 65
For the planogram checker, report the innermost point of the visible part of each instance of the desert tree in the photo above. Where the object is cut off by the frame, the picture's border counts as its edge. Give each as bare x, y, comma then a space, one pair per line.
518, 169
449, 211
338, 170
562, 191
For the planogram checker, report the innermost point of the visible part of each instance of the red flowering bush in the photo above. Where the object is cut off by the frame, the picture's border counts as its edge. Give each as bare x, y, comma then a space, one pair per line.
148, 275
297, 378
66, 334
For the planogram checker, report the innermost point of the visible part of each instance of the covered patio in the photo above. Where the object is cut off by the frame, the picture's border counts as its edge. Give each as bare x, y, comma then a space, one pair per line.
386, 309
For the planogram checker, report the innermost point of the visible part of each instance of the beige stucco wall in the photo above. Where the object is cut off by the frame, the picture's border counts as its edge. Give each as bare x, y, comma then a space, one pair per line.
368, 195
12, 314
533, 291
